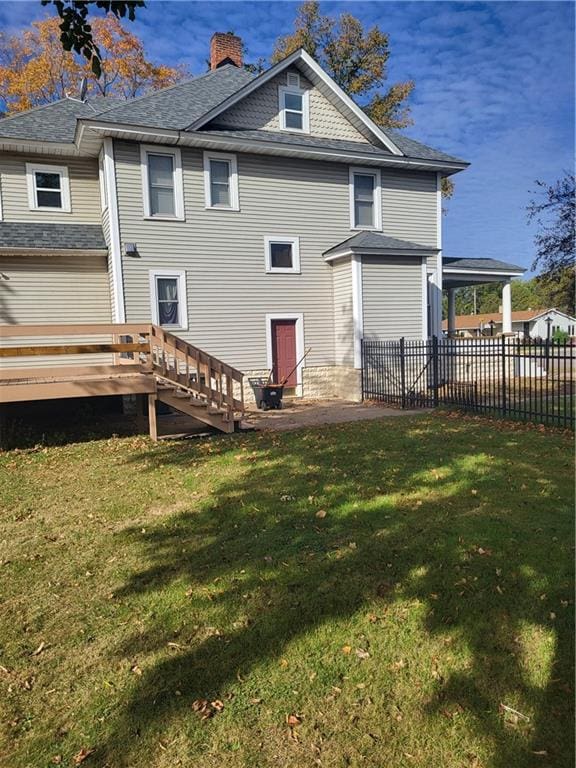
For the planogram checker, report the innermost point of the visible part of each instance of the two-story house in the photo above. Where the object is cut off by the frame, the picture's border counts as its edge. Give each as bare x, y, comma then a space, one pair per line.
252, 216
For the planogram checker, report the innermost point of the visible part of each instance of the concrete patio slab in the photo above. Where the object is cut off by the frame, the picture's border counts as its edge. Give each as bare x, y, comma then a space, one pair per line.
296, 414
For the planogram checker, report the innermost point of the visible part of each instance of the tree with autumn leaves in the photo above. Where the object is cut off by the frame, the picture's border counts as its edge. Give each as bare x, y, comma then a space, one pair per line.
35, 70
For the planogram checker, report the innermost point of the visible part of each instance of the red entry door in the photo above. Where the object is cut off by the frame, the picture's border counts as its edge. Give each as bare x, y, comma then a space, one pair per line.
284, 351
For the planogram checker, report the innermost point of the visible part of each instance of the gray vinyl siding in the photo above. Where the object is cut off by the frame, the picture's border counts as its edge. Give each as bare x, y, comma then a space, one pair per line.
409, 205
222, 252
261, 110
343, 312
84, 189
392, 297
53, 289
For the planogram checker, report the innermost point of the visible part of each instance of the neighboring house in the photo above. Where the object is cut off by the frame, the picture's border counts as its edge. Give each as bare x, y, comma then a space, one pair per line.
529, 323
251, 216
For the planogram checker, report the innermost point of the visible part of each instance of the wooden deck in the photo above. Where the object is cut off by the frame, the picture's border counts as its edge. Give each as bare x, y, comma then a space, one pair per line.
140, 359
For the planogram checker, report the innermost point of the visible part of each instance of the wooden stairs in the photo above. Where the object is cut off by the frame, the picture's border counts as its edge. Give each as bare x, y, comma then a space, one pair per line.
143, 359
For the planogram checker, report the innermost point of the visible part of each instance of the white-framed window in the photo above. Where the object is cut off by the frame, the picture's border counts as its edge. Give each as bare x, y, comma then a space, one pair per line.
282, 254
294, 109
102, 180
168, 298
221, 181
365, 198
162, 182
48, 187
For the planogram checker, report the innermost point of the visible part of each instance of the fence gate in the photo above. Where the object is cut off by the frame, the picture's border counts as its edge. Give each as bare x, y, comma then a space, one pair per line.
532, 381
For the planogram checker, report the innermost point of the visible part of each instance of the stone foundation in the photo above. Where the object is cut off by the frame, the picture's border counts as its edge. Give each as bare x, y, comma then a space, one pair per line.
320, 382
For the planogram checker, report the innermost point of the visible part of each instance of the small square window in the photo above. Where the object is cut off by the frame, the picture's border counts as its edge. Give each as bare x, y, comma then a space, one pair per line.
48, 187
282, 254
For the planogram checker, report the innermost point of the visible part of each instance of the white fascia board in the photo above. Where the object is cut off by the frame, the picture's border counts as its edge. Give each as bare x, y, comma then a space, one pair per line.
299, 55
382, 252
549, 311
231, 144
478, 273
348, 102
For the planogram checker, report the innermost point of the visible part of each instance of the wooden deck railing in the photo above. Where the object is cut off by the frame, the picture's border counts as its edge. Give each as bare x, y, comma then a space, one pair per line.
134, 347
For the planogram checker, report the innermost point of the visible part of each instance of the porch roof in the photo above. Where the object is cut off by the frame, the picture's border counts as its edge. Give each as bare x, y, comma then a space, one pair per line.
19, 237
371, 243
458, 272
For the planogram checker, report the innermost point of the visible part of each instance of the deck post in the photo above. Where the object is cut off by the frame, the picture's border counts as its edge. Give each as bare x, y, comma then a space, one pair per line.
152, 423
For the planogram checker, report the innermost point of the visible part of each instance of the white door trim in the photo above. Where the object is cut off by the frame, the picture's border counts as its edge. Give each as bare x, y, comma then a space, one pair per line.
299, 317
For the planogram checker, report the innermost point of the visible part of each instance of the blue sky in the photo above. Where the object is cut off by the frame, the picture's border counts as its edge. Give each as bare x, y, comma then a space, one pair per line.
494, 85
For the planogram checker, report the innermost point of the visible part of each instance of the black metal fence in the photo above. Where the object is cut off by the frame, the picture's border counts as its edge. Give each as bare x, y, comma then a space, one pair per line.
505, 376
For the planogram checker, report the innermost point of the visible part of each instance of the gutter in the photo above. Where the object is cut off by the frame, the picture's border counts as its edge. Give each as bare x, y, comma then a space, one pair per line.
187, 139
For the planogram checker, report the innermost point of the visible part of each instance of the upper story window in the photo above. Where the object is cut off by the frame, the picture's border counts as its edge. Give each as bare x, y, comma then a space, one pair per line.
282, 254
365, 199
168, 298
294, 111
162, 182
48, 187
221, 181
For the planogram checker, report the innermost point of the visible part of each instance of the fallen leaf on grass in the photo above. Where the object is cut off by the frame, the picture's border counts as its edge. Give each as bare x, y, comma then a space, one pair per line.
136, 670
362, 654
347, 649
40, 648
207, 709
84, 754
293, 720
321, 514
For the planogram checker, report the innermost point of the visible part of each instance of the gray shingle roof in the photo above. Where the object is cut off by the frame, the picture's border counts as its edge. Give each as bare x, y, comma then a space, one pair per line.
52, 122
368, 241
417, 151
180, 105
177, 107
480, 264
52, 236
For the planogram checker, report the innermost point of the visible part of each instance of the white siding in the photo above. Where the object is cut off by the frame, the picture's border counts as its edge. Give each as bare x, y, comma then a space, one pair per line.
261, 110
343, 314
84, 189
392, 297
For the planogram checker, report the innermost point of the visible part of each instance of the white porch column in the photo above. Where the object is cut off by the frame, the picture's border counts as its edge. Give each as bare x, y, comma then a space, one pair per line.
507, 308
451, 311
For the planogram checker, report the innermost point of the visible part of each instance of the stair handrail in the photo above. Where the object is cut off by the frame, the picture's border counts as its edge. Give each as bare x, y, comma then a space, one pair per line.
203, 375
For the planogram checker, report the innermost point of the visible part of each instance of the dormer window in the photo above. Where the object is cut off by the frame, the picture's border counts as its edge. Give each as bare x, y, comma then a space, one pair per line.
293, 109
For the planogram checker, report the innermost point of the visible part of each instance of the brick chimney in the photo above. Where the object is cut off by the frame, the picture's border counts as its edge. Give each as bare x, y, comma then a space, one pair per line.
225, 48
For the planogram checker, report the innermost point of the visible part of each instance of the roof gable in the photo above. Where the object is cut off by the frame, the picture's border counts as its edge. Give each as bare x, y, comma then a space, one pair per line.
325, 84
260, 110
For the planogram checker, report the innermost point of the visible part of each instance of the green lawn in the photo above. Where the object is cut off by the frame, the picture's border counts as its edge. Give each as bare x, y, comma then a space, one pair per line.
384, 586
